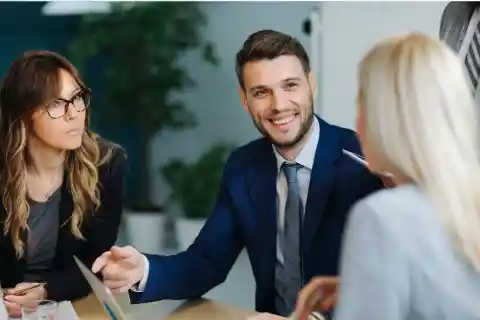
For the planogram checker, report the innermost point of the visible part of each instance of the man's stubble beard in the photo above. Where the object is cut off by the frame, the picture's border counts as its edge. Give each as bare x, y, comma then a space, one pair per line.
304, 127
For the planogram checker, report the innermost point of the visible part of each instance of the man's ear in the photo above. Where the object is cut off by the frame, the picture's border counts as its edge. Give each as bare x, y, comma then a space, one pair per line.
243, 98
312, 79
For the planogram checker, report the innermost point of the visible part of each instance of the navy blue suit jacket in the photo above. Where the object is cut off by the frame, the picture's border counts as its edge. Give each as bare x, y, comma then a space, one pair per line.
245, 217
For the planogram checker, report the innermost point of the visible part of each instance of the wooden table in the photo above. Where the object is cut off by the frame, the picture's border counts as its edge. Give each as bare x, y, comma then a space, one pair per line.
202, 309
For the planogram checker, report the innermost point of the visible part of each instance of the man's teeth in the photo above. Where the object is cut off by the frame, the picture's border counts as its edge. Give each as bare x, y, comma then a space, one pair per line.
284, 120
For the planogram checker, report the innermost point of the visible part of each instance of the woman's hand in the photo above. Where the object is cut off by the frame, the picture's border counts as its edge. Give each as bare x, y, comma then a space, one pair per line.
320, 294
388, 181
13, 303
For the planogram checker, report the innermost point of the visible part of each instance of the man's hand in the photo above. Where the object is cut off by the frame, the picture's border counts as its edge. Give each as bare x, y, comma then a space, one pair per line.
121, 267
320, 294
13, 303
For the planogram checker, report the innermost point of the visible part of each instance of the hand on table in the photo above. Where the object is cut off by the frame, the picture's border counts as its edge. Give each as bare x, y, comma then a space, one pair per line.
13, 303
320, 294
265, 316
121, 267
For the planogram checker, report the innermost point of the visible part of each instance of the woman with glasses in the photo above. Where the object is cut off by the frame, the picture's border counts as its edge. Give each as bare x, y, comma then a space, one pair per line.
61, 185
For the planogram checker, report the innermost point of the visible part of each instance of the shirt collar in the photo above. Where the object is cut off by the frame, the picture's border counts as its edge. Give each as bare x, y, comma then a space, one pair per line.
306, 156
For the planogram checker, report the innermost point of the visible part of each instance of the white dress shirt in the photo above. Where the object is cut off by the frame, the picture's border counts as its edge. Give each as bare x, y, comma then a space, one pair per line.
305, 158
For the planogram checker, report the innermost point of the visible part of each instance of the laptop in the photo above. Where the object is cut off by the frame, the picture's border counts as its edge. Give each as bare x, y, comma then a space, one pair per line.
118, 306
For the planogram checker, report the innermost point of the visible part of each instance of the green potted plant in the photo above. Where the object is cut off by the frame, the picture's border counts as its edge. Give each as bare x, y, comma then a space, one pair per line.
194, 188
133, 56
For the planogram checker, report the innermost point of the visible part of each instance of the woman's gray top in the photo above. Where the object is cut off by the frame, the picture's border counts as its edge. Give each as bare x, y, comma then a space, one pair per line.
43, 222
398, 262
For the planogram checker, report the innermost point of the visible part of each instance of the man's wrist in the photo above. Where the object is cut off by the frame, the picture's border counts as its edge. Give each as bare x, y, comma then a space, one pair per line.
140, 285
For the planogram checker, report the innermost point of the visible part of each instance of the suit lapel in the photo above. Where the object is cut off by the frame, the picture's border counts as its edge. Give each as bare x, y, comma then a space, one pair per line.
321, 181
262, 188
262, 180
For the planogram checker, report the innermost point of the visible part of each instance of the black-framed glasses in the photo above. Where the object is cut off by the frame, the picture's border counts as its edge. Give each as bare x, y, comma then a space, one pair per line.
59, 108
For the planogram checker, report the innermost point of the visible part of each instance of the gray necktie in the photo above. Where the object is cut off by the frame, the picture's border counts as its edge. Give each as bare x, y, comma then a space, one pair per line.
288, 274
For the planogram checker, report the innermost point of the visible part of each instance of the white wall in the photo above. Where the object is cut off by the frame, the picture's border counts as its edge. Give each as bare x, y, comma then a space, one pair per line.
215, 101
349, 29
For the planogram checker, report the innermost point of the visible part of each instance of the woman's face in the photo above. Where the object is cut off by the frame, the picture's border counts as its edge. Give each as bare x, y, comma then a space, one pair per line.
61, 123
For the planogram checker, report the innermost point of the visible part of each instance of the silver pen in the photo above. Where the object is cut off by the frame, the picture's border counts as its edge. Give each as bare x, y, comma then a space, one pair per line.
355, 157
25, 290
359, 159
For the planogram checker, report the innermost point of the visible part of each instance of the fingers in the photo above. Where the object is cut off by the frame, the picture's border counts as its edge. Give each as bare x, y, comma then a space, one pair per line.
18, 287
388, 182
11, 305
123, 253
328, 303
13, 302
23, 285
35, 294
126, 255
317, 291
308, 294
101, 262
17, 299
27, 297
13, 309
114, 272
117, 285
119, 267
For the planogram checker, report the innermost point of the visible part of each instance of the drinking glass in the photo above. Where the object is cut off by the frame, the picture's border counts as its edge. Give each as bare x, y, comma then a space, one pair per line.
40, 310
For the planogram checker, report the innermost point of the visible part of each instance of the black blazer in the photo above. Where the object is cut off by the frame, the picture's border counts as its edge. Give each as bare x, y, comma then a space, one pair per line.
65, 281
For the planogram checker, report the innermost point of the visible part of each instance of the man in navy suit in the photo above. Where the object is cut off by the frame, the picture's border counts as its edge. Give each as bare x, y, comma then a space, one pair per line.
295, 172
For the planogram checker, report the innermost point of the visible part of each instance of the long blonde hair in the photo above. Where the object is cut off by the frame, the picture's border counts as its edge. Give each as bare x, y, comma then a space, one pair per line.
422, 123
32, 80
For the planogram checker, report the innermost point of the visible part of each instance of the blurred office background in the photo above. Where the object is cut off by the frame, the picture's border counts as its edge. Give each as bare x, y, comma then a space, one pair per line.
164, 87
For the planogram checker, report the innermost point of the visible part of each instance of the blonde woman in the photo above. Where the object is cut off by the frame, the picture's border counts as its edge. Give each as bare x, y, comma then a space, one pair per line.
412, 252
60, 184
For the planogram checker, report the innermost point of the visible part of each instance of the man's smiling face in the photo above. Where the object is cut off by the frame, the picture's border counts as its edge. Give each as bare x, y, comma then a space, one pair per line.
278, 95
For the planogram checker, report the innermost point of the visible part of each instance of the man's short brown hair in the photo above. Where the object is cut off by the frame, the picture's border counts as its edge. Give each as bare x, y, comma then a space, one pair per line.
268, 45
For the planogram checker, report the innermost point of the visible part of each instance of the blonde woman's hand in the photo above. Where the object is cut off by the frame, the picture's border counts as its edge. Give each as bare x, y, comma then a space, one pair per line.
388, 181
13, 302
320, 294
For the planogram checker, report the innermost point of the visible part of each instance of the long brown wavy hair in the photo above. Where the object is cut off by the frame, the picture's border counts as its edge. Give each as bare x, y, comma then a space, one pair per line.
32, 81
